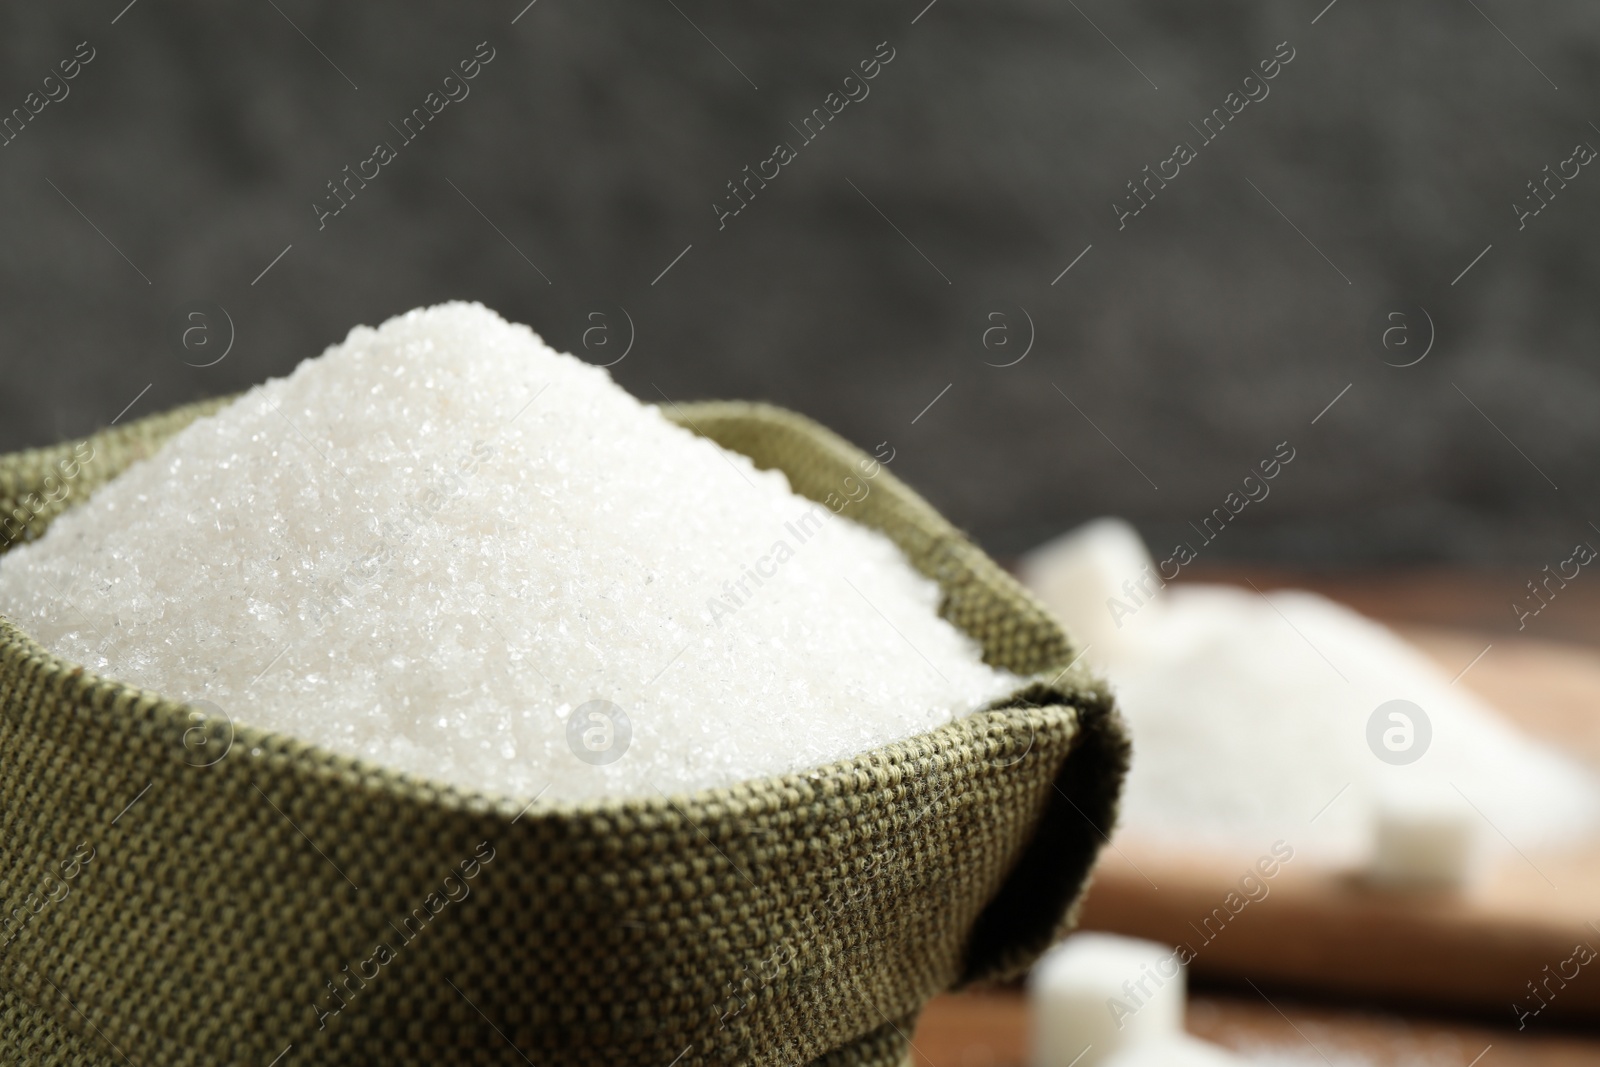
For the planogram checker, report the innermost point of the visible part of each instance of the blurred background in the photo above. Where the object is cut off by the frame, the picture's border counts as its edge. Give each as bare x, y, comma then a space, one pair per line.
1067, 257
908, 253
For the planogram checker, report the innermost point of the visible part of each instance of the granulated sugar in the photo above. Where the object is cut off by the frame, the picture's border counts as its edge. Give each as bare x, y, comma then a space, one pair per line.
432, 544
1250, 715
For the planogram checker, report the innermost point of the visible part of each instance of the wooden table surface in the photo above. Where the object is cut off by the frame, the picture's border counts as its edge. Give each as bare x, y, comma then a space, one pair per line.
991, 1030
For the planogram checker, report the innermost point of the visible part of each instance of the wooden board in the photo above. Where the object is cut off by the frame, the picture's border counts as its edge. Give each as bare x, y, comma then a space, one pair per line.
1324, 930
991, 1030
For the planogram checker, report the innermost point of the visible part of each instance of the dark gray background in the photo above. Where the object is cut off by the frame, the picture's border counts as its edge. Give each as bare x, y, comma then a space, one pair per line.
1195, 339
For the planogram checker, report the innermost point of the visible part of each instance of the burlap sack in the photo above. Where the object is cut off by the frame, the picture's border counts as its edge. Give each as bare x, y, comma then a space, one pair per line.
178, 890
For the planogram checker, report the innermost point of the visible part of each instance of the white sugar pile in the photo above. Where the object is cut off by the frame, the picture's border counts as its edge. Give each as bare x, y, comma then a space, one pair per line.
430, 545
1250, 714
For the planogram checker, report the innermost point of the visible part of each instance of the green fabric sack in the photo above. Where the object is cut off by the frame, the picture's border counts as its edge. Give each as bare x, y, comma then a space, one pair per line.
178, 890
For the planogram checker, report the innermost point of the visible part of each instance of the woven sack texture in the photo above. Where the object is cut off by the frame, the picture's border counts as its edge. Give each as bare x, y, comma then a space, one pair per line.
175, 889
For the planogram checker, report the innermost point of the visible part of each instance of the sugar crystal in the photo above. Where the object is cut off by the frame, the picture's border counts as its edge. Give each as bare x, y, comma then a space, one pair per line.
443, 547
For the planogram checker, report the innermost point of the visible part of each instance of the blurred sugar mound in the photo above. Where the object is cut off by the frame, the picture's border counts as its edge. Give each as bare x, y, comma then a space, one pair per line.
1249, 713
